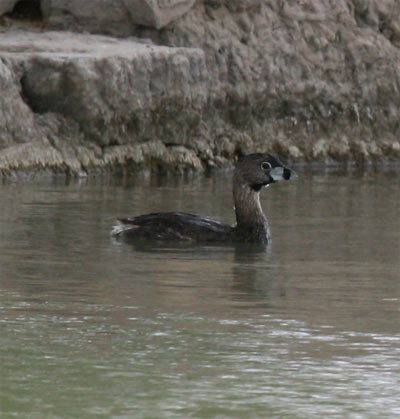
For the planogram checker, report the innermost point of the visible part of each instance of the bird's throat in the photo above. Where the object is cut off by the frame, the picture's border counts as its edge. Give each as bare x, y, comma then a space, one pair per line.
247, 206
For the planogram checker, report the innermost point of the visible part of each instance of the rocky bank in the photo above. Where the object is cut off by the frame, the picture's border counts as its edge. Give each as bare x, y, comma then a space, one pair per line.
187, 85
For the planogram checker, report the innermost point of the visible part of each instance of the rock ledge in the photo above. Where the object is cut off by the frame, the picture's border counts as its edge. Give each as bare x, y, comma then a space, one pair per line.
184, 85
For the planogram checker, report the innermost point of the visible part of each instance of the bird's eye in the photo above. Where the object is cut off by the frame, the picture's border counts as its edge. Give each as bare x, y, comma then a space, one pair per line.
265, 165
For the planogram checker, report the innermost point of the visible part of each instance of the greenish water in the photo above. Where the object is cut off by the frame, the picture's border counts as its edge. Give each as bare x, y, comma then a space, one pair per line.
94, 328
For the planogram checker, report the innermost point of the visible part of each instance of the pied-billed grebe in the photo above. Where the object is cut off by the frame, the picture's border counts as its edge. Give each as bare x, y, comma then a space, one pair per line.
251, 174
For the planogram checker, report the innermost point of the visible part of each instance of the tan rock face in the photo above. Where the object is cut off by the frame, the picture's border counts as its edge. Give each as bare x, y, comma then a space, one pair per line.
114, 17
94, 99
310, 79
156, 13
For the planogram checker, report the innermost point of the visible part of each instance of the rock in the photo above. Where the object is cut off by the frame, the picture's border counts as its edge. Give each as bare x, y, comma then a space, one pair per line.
88, 93
113, 17
310, 79
156, 13
301, 73
6, 6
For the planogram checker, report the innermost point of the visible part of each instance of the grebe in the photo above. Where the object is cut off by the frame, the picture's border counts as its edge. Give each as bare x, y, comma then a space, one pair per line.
251, 174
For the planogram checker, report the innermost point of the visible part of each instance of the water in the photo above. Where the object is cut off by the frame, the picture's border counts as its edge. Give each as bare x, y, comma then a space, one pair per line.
93, 328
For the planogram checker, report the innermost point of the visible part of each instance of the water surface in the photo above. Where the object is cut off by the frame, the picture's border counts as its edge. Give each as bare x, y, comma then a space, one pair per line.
94, 328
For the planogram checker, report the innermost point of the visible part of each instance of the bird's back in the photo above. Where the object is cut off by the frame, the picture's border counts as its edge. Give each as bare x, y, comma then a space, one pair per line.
173, 226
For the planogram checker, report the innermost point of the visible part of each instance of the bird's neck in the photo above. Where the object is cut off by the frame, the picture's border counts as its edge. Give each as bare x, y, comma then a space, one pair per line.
247, 206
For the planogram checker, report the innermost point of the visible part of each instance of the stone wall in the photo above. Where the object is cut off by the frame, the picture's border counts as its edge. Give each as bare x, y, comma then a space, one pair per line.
184, 85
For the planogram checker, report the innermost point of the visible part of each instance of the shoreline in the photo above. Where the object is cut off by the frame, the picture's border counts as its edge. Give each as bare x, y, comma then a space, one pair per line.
200, 86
